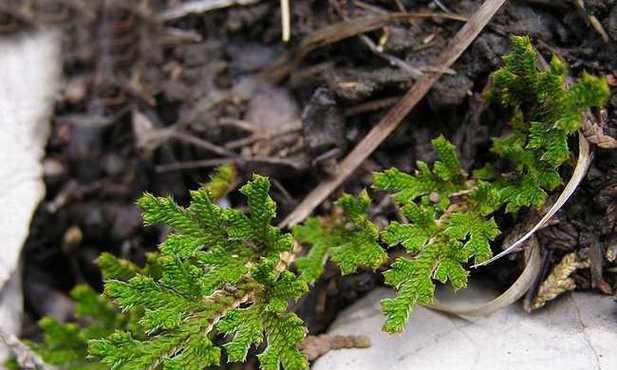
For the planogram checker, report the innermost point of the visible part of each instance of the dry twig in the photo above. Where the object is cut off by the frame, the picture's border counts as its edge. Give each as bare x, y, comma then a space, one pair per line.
340, 31
238, 160
593, 21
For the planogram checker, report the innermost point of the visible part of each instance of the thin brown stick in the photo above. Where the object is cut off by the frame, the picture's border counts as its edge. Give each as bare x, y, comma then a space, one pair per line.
238, 160
393, 118
201, 143
340, 31
372, 105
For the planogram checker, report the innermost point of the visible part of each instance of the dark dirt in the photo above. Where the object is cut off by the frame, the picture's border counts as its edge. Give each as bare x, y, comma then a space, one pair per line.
130, 80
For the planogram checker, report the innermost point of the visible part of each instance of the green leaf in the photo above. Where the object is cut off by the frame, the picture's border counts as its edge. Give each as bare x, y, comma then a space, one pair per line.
350, 241
448, 168
405, 187
284, 332
88, 303
355, 207
261, 206
198, 354
360, 249
311, 265
246, 328
414, 284
114, 268
452, 271
220, 269
589, 91
165, 211
412, 237
475, 231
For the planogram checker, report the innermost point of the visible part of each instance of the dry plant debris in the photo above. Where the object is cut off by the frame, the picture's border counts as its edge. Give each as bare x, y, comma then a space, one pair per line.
315, 346
558, 281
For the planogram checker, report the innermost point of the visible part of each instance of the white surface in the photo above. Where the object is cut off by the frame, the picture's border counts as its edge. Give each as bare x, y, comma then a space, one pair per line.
579, 331
29, 74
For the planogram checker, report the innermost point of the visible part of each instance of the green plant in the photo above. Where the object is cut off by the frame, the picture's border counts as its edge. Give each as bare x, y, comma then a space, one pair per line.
348, 238
450, 212
65, 344
221, 272
222, 281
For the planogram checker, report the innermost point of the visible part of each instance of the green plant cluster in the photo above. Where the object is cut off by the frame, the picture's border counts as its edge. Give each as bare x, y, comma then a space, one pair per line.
449, 213
223, 279
222, 274
65, 345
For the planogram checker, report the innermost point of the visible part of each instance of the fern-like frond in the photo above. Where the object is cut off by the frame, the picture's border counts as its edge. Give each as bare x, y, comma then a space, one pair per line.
349, 239
217, 267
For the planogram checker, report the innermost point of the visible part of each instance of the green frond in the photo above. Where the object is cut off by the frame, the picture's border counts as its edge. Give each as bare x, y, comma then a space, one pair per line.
355, 207
222, 181
88, 303
284, 333
65, 344
115, 268
448, 167
245, 327
121, 351
218, 265
350, 239
404, 187
431, 186
475, 231
589, 91
182, 245
412, 237
315, 234
221, 282
163, 210
200, 353
261, 207
440, 243
413, 280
